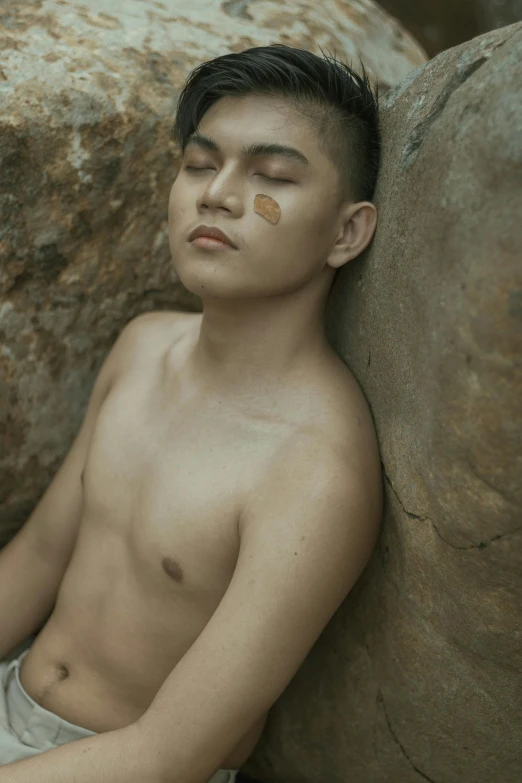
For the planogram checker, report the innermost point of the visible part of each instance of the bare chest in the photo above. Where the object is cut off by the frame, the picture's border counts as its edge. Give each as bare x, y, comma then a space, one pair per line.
163, 487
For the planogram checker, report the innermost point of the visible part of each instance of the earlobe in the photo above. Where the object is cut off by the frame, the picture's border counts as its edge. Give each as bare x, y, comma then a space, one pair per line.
339, 257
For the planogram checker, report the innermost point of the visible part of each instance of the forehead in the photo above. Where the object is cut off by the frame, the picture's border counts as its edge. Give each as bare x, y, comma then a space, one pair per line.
236, 121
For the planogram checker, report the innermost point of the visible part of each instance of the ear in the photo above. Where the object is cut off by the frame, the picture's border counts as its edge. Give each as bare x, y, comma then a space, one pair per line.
357, 226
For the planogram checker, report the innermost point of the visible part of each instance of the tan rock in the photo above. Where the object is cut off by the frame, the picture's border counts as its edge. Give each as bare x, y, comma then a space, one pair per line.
418, 677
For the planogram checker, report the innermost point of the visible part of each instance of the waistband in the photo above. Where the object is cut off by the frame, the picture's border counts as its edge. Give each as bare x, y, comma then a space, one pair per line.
30, 721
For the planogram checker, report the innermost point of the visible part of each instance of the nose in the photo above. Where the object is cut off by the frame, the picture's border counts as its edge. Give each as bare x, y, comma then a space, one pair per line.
222, 191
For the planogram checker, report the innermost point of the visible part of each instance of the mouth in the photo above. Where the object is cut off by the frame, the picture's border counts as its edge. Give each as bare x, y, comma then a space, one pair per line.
211, 244
211, 238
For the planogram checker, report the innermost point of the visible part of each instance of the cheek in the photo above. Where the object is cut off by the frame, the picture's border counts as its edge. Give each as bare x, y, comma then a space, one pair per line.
177, 204
303, 243
172, 198
304, 223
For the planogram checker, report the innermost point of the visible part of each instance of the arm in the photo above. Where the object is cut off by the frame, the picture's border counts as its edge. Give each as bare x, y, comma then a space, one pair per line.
112, 757
304, 542
33, 562
48, 538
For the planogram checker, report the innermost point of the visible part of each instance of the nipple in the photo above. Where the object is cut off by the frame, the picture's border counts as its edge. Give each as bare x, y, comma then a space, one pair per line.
267, 208
172, 568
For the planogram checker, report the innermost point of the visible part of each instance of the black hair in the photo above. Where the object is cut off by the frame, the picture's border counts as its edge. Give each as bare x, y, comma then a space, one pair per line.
331, 93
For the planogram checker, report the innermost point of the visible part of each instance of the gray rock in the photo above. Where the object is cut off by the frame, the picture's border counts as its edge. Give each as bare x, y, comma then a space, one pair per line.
418, 677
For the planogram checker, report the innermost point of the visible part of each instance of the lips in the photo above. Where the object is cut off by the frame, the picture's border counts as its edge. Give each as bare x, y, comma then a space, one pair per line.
212, 233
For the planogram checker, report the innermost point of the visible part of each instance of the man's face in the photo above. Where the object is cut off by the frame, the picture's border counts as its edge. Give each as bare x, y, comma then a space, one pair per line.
218, 188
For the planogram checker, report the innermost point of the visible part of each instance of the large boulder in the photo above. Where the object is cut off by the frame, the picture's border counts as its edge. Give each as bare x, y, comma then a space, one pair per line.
418, 677
87, 95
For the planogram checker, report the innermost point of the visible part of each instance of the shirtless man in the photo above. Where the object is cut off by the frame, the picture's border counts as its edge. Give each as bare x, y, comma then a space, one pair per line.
224, 491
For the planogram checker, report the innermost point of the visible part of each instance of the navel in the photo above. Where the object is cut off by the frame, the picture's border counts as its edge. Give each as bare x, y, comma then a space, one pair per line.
172, 568
62, 671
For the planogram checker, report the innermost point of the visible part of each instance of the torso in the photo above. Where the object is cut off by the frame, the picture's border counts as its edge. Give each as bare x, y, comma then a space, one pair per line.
163, 485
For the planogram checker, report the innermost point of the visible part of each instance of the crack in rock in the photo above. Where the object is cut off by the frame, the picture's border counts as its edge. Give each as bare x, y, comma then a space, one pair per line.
380, 698
480, 545
408, 513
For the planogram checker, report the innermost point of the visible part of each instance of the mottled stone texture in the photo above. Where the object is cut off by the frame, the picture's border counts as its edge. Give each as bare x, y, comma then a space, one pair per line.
439, 24
418, 677
87, 94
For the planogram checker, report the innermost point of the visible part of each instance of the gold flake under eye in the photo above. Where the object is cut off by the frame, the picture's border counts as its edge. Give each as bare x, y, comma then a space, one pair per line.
267, 207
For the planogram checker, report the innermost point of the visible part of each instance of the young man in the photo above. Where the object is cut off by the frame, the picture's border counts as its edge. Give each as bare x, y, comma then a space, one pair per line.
224, 491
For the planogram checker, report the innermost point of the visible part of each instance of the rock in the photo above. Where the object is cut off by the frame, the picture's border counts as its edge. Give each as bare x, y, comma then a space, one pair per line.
439, 25
418, 677
87, 95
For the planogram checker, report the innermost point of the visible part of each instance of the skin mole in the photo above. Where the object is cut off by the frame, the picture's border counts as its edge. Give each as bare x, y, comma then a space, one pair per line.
172, 568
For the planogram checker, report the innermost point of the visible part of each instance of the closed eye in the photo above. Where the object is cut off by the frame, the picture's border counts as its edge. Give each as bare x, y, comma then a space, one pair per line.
209, 168
274, 179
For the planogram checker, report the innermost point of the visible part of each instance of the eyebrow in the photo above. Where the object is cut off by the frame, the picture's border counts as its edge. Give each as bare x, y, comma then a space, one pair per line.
251, 150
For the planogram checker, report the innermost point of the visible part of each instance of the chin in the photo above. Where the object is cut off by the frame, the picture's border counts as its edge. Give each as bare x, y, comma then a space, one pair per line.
201, 282
207, 286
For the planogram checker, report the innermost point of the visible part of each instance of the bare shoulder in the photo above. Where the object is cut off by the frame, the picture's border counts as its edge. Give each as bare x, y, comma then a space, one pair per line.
359, 449
351, 417
340, 418
147, 336
158, 323
324, 487
328, 465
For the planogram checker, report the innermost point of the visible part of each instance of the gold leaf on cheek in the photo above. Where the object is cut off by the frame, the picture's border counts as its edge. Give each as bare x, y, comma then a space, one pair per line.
267, 207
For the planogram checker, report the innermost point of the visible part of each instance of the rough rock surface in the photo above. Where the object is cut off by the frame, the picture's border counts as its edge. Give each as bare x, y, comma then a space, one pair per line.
87, 92
418, 677
440, 24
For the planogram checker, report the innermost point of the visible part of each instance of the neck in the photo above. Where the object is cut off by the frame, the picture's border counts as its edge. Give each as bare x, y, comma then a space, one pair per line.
252, 345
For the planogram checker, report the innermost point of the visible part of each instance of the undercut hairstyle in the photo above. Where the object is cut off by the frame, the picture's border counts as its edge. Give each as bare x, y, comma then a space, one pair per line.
339, 102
